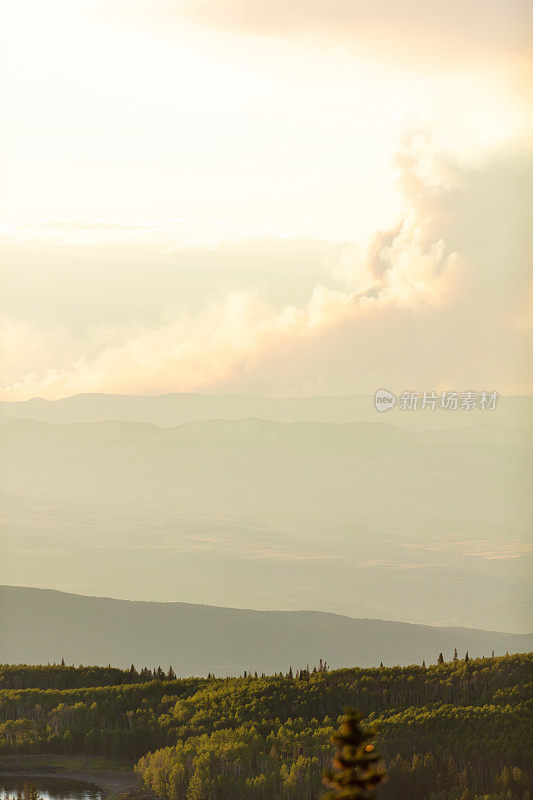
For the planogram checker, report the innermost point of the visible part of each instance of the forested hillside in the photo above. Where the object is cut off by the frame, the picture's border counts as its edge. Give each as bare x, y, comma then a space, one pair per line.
61, 676
451, 730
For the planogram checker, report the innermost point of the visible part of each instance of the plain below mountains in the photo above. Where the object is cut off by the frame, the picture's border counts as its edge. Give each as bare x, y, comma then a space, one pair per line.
40, 625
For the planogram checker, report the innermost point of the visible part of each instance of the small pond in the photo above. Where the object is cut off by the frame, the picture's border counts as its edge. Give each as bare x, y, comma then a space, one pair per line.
48, 788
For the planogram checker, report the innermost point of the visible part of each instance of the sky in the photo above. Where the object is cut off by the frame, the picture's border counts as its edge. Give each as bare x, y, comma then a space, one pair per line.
218, 195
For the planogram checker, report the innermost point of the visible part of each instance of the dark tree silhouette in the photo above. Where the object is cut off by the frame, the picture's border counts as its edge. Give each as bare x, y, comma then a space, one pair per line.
356, 770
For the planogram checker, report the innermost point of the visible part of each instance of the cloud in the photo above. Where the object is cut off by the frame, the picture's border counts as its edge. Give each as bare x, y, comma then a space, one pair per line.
454, 31
443, 299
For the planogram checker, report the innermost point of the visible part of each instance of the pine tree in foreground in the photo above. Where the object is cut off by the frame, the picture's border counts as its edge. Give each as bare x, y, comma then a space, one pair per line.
356, 763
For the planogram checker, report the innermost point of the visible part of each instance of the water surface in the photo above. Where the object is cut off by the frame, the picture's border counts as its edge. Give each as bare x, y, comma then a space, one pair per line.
52, 788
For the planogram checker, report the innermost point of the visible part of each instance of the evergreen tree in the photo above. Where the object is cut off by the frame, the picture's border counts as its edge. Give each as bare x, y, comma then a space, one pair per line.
455, 656
440, 659
171, 676
356, 772
467, 657
30, 792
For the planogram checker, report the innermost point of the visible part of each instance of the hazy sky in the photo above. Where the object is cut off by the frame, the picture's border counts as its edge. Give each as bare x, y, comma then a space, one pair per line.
265, 196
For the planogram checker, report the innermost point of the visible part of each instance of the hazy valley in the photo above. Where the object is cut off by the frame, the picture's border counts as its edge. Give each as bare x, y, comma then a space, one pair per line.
268, 514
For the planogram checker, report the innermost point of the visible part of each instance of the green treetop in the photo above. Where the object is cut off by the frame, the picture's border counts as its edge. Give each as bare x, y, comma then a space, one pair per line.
356, 770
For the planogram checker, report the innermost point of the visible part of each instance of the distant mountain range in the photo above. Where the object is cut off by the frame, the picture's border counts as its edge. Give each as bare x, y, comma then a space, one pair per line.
254, 432
175, 409
41, 625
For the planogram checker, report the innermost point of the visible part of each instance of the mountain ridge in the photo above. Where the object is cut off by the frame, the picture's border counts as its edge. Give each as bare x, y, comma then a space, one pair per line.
196, 430
258, 610
175, 408
40, 625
